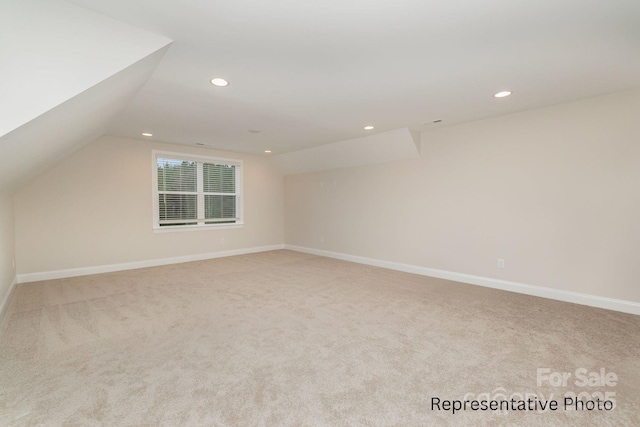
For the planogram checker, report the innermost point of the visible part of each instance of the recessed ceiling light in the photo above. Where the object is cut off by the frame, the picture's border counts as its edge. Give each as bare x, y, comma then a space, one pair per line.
368, 127
219, 81
267, 151
147, 134
502, 94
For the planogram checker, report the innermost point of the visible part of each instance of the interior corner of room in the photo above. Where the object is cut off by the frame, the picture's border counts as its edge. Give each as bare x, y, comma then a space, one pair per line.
547, 191
537, 198
414, 156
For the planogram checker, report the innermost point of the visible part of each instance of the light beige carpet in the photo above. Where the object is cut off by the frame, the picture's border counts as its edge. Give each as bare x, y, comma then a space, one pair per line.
289, 339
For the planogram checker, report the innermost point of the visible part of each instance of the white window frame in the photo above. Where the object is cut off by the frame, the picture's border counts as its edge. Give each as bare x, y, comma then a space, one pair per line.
200, 225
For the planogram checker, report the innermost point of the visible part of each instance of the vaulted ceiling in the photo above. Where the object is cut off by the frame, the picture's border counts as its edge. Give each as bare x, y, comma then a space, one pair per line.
301, 73
305, 73
66, 74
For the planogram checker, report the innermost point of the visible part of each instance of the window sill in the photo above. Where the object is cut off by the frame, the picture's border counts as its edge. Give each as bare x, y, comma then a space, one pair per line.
179, 228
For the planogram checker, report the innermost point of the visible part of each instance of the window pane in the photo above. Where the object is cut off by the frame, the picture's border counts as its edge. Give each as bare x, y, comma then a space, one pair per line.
178, 206
219, 178
219, 206
195, 192
177, 175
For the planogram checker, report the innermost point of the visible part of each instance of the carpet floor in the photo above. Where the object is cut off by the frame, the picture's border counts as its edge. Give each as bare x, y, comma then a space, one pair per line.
289, 339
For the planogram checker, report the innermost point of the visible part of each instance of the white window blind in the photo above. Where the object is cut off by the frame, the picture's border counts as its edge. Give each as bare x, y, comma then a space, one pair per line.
196, 191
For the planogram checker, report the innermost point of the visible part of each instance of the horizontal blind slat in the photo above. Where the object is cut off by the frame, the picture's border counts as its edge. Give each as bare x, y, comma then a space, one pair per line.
177, 175
179, 197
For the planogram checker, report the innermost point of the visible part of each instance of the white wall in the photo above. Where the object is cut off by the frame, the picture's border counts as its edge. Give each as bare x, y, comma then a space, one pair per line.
7, 272
552, 191
95, 208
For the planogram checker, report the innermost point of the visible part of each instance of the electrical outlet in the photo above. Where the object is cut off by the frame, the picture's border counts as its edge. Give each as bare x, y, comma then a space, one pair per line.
223, 240
500, 263
322, 240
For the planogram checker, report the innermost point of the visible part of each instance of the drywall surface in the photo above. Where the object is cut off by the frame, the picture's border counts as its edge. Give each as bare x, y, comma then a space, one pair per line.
398, 144
553, 192
95, 208
55, 50
7, 271
41, 143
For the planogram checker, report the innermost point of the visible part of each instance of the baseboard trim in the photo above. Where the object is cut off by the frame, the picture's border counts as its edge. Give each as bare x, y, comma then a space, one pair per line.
7, 299
85, 271
522, 288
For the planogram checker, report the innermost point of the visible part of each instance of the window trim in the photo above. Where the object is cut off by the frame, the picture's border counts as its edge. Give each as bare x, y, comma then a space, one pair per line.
155, 154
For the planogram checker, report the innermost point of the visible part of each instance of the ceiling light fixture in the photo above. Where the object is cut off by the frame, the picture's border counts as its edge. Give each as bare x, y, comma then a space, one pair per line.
502, 94
147, 134
267, 151
219, 81
368, 127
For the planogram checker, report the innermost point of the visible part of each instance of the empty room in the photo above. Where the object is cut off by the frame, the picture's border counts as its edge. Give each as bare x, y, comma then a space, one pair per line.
319, 213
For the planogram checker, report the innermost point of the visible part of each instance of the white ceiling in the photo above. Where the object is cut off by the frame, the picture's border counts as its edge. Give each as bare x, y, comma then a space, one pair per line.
306, 73
60, 91
51, 51
36, 146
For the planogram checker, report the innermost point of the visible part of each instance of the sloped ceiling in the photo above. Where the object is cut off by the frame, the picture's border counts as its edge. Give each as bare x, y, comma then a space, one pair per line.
303, 74
66, 73
308, 73
34, 147
399, 144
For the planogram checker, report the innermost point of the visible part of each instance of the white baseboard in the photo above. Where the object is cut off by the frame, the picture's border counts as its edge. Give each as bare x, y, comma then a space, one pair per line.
539, 291
84, 271
7, 299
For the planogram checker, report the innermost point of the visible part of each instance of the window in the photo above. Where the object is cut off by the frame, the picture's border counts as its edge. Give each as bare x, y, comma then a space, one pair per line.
194, 192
